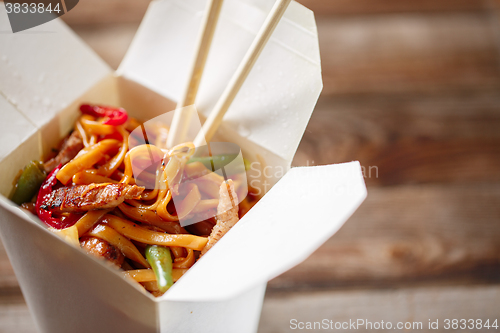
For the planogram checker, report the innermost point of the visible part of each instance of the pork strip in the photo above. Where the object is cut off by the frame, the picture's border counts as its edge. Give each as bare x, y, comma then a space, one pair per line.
227, 214
68, 151
102, 249
82, 198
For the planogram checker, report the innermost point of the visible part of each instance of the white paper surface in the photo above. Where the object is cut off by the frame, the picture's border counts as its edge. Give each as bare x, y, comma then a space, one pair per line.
274, 104
240, 314
45, 68
293, 219
14, 127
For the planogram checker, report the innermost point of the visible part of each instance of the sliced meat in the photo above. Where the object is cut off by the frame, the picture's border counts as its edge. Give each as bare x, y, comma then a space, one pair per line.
68, 151
102, 249
227, 214
82, 198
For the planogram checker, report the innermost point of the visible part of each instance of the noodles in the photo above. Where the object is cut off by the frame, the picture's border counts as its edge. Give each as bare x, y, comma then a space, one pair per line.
162, 210
94, 127
204, 205
150, 217
113, 164
87, 221
86, 159
190, 201
143, 235
186, 262
172, 185
89, 176
114, 238
147, 275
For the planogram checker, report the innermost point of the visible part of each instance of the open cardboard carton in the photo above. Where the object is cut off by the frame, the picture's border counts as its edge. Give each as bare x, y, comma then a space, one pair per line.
46, 72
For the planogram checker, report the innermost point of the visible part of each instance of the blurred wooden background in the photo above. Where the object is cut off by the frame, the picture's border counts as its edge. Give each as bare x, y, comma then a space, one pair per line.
412, 91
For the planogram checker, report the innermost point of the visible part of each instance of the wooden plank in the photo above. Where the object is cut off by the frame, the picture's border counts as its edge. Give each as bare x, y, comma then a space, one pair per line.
110, 42
349, 7
408, 53
91, 12
16, 318
7, 278
379, 54
417, 138
408, 233
411, 305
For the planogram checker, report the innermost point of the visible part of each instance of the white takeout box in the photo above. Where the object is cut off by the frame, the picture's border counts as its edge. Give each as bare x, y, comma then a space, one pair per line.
46, 72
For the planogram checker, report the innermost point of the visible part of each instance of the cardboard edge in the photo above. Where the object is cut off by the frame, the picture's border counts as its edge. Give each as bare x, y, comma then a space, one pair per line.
361, 196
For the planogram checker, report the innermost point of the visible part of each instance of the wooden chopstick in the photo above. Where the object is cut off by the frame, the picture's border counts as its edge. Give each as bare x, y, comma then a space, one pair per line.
180, 122
215, 118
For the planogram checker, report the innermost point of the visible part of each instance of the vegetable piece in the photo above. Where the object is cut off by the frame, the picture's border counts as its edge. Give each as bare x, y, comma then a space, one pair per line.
161, 262
113, 116
29, 182
46, 215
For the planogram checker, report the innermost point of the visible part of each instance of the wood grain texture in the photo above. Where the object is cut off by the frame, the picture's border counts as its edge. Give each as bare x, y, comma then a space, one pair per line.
15, 317
362, 7
7, 278
417, 138
398, 305
408, 53
126, 11
92, 12
382, 54
408, 233
394, 305
110, 41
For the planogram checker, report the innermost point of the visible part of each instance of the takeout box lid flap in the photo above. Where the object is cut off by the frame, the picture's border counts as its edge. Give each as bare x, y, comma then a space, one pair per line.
305, 208
274, 104
44, 69
15, 128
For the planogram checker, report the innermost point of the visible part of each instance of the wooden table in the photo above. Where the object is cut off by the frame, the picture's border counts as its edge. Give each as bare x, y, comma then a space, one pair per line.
412, 92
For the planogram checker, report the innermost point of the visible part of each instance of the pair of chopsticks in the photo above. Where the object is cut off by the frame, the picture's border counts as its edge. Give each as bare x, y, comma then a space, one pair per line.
181, 119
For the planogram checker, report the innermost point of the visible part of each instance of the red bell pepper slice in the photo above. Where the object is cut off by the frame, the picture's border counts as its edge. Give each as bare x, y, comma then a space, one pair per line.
46, 215
114, 116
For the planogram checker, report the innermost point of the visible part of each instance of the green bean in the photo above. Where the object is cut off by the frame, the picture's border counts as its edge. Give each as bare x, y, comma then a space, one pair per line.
29, 183
161, 262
